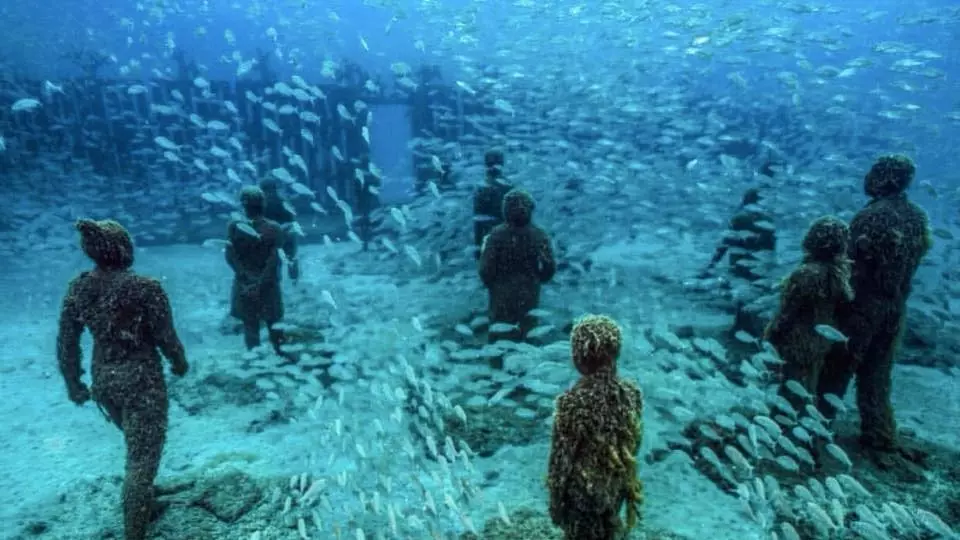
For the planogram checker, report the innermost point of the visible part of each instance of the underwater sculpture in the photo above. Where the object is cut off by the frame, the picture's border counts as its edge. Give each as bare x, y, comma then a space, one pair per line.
253, 253
516, 259
488, 200
810, 297
130, 318
597, 431
888, 239
750, 240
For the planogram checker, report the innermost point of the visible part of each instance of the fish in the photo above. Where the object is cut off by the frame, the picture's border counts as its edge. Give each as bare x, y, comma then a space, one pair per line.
835, 402
327, 298
248, 230
344, 113
798, 389
301, 189
502, 328
831, 333
398, 216
540, 331
166, 143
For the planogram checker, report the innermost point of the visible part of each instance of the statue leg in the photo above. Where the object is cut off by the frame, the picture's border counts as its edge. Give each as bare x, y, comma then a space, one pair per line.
878, 429
145, 430
272, 309
839, 368
251, 331
800, 364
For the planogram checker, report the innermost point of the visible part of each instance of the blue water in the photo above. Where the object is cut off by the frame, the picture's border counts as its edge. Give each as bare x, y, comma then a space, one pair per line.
59, 462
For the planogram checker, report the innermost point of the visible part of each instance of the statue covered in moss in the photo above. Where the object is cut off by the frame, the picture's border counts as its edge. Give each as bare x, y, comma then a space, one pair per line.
516, 258
888, 239
597, 431
130, 318
750, 240
810, 296
253, 253
488, 200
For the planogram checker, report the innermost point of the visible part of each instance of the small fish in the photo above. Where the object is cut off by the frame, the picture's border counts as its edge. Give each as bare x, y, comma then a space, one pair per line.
831, 333
434, 190
344, 113
942, 233
166, 143
765, 225
414, 255
215, 243
466, 88
389, 245
328, 298
502, 328
744, 337
464, 330
834, 401
787, 463
49, 88
398, 216
301, 189
502, 511
540, 331
246, 229
839, 455
271, 125
307, 136
294, 229
479, 320
504, 106
798, 389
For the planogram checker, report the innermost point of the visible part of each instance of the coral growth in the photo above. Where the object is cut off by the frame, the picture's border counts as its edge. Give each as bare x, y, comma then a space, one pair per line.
596, 435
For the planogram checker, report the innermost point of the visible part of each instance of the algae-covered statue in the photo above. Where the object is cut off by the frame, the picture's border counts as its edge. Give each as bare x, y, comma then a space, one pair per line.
131, 320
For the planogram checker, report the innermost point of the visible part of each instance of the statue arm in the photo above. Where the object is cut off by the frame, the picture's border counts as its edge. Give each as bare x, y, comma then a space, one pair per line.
68, 344
162, 328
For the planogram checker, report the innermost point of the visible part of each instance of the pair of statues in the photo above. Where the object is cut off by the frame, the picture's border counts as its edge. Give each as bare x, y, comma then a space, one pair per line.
515, 256
842, 311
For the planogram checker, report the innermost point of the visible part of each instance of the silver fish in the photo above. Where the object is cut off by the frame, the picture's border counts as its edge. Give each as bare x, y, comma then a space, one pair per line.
831, 333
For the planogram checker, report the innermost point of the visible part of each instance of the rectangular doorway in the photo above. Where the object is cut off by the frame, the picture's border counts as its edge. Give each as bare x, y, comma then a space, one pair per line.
390, 136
